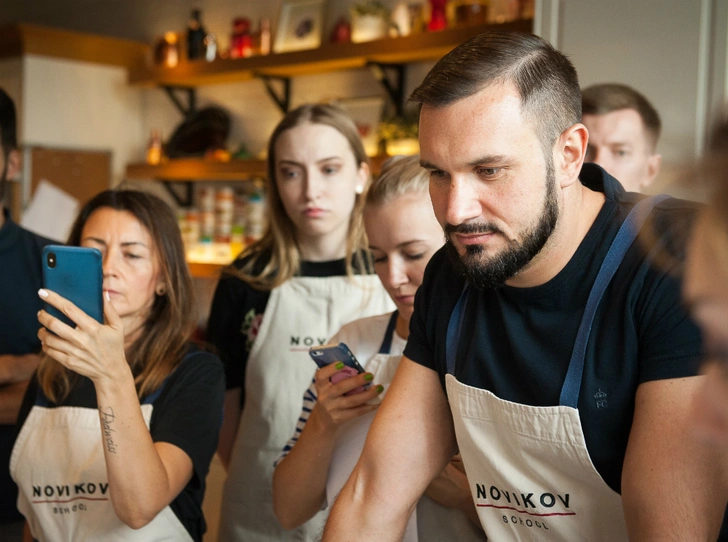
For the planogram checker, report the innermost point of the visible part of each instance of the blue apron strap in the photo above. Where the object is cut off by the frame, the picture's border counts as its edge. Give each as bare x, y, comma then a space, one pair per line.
389, 334
625, 237
454, 328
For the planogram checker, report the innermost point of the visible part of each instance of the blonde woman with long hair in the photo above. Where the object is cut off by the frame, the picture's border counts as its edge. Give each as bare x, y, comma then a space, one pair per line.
403, 235
307, 276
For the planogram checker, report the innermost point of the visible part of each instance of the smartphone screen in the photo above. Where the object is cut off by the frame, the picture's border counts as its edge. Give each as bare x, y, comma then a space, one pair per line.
74, 273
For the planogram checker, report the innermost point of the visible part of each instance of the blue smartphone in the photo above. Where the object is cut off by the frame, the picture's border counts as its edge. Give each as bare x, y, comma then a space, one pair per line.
331, 353
74, 273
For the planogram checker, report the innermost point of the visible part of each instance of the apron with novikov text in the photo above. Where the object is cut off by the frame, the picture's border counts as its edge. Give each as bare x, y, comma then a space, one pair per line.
302, 312
528, 467
58, 463
437, 523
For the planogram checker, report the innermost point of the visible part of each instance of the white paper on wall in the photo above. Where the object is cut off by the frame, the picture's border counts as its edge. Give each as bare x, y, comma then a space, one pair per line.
51, 212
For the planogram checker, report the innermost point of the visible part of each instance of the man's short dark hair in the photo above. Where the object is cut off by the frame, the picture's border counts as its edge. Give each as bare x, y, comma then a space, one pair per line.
8, 123
544, 77
609, 97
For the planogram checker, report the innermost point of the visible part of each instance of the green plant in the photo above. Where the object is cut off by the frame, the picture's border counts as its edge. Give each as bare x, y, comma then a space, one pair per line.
398, 128
371, 7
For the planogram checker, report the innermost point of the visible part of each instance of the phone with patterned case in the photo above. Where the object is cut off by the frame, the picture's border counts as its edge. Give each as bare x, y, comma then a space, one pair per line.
331, 353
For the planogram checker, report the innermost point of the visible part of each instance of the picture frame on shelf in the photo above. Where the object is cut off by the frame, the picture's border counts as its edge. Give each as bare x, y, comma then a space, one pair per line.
300, 26
367, 113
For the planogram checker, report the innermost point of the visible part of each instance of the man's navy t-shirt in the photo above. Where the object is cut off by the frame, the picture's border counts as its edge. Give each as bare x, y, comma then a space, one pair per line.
517, 342
20, 279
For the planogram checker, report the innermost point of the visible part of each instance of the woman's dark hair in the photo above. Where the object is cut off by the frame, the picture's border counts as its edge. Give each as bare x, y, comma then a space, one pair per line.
162, 340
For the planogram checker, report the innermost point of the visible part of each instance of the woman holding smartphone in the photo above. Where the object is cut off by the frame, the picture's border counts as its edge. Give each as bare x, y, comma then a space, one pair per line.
306, 277
403, 235
121, 420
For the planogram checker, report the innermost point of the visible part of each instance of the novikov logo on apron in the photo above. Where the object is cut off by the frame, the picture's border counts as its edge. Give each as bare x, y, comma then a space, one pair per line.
303, 343
531, 508
66, 493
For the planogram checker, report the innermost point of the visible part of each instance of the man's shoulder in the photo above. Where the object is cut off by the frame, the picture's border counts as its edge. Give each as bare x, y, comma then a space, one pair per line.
36, 241
442, 271
442, 284
14, 237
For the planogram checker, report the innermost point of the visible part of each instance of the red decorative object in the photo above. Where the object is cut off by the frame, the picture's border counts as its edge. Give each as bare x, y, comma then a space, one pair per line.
341, 32
241, 42
438, 19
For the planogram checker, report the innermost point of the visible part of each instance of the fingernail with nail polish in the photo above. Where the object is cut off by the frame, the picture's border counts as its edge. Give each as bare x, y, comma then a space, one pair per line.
42, 293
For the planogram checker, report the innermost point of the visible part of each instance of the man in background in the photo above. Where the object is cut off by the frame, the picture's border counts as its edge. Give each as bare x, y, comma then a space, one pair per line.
20, 279
623, 131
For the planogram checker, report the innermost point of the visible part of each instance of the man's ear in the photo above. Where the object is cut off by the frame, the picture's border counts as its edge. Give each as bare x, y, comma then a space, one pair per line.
14, 162
569, 154
654, 163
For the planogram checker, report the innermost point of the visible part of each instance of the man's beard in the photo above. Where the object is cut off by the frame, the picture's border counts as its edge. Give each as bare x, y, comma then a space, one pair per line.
493, 272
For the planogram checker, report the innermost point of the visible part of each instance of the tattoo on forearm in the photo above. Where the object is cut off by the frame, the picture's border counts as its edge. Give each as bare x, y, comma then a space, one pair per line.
107, 418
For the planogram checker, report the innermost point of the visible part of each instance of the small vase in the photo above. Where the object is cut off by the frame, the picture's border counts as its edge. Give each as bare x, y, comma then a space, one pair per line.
368, 28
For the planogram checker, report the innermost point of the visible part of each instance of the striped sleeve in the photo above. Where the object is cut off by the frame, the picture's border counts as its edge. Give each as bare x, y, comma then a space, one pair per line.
309, 401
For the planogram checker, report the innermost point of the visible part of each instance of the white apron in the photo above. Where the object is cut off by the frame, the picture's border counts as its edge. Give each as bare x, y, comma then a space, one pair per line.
429, 521
302, 312
59, 466
528, 467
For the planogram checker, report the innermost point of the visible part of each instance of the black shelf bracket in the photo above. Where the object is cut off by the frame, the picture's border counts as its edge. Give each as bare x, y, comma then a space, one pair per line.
392, 78
185, 109
181, 200
281, 96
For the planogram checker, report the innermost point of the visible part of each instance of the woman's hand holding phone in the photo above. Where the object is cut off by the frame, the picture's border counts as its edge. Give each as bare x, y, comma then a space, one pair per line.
90, 349
333, 406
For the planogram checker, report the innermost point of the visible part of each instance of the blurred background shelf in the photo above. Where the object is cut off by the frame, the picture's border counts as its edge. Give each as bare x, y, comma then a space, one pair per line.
327, 58
197, 169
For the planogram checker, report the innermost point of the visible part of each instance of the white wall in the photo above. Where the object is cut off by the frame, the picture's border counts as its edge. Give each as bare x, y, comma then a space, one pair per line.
673, 51
72, 104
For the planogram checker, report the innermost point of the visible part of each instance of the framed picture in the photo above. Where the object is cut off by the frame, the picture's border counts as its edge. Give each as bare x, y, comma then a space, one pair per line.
366, 112
300, 25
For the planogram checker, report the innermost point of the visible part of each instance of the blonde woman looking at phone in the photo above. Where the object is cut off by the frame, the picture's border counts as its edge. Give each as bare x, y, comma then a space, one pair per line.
403, 235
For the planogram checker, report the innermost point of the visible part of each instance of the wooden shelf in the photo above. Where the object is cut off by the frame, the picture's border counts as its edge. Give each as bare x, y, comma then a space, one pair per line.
195, 169
327, 58
22, 39
205, 270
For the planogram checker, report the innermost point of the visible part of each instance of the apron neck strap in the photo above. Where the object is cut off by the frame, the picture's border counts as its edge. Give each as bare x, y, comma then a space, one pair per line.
386, 346
623, 240
572, 384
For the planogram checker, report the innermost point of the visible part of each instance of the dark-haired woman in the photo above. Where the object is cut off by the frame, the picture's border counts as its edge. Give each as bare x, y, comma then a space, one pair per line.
120, 423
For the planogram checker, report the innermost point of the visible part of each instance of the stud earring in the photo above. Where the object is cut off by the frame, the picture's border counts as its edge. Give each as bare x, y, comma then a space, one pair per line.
161, 291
